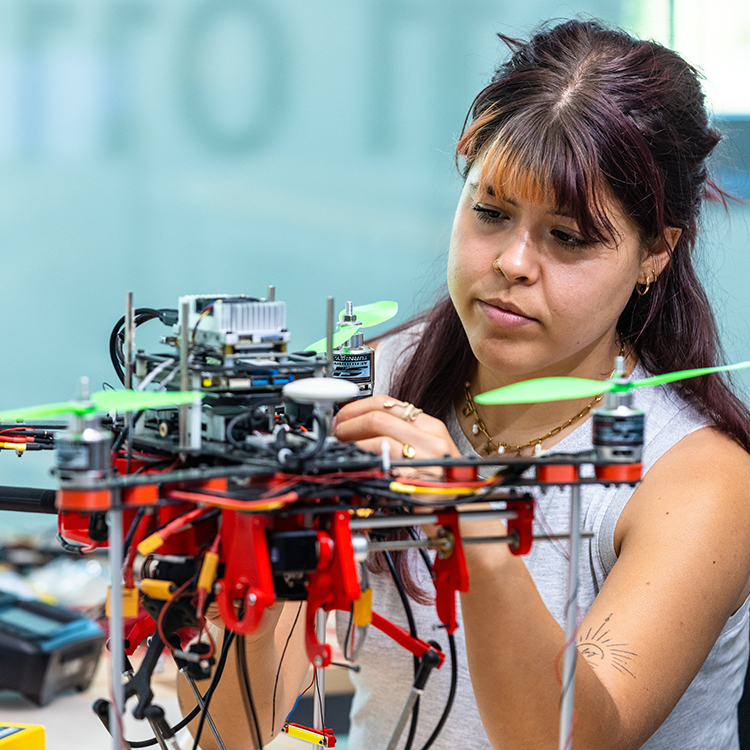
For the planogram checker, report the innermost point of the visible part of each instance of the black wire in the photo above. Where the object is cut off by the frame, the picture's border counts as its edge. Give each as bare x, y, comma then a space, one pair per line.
124, 434
176, 728
278, 671
197, 709
131, 532
413, 632
129, 459
119, 439
229, 636
451, 693
246, 415
320, 698
247, 694
140, 315
311, 452
454, 660
348, 632
422, 551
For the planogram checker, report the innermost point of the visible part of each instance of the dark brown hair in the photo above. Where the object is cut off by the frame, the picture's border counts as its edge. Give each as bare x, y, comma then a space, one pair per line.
583, 112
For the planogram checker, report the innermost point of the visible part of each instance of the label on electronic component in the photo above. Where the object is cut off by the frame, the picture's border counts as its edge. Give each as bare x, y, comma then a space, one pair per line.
354, 367
72, 455
618, 430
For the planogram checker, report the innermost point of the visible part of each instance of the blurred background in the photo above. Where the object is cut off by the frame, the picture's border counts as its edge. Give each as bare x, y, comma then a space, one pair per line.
175, 147
171, 147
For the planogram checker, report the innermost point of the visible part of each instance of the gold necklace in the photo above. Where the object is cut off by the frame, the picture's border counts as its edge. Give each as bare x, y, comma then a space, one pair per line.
470, 410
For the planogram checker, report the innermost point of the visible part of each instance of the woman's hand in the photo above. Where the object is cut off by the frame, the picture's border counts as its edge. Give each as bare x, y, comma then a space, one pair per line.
410, 432
266, 626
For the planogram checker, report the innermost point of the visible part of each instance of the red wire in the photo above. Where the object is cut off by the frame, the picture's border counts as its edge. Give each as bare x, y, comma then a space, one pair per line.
127, 571
309, 686
165, 607
174, 526
229, 502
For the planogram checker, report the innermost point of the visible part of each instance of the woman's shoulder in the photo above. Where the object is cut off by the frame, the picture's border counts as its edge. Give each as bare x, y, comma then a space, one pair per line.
668, 417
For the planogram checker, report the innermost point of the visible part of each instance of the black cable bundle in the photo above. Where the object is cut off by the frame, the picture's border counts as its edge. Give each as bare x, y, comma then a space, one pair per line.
117, 337
247, 694
413, 634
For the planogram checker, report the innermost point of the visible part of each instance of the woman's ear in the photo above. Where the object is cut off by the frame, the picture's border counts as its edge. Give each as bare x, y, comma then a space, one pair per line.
655, 262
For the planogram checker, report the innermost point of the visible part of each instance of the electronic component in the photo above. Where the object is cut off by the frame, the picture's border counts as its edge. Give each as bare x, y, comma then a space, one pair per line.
21, 737
353, 360
45, 650
235, 324
617, 425
236, 355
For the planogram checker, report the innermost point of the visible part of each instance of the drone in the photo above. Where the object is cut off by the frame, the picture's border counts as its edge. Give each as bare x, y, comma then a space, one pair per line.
215, 465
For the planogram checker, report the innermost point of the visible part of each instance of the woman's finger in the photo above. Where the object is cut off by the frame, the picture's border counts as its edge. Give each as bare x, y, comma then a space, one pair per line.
363, 405
373, 424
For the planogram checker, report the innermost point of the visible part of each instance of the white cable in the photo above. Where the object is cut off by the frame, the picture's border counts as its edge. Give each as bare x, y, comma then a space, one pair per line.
169, 377
156, 371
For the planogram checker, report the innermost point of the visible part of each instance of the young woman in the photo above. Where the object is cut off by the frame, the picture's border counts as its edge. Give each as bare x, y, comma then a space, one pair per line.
572, 242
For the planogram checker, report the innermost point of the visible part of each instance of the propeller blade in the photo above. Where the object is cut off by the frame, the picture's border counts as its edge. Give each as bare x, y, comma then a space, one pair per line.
374, 313
339, 338
671, 377
125, 400
545, 389
44, 411
104, 401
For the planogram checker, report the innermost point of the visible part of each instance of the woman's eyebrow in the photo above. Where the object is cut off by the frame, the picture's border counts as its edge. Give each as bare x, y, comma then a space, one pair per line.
489, 190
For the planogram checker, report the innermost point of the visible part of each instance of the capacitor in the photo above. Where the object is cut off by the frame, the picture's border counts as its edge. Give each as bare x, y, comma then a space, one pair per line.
618, 425
353, 360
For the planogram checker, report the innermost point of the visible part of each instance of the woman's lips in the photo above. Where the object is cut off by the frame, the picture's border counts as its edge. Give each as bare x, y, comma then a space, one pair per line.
504, 315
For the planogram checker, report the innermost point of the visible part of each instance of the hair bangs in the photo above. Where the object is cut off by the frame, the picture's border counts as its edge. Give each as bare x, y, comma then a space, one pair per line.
545, 164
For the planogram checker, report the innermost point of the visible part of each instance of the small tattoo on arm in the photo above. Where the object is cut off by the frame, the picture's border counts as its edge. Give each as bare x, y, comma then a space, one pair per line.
597, 648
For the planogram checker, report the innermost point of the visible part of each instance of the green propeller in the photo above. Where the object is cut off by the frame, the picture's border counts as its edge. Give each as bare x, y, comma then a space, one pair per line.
560, 389
367, 316
339, 338
104, 401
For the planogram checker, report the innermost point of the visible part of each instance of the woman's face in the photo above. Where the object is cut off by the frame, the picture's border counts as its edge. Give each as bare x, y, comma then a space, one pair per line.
534, 298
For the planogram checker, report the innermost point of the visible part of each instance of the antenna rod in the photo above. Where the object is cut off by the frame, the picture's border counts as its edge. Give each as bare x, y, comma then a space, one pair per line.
184, 375
129, 339
329, 338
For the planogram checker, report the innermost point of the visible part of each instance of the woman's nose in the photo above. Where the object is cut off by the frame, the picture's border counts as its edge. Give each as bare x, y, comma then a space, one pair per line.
517, 260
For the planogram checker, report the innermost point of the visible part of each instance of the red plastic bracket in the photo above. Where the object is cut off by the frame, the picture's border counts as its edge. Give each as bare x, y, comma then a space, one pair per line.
142, 628
247, 576
333, 585
450, 572
522, 525
416, 646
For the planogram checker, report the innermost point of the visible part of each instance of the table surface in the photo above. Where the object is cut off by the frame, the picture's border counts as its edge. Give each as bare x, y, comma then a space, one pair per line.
70, 723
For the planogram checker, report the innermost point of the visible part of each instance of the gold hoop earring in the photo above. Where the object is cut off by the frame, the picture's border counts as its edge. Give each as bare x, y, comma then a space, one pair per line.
643, 292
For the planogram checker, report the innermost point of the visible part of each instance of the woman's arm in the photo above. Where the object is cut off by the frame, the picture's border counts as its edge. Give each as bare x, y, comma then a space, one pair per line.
684, 560
281, 623
682, 570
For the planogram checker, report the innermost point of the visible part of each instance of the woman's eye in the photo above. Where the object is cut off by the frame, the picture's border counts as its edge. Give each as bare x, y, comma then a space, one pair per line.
567, 239
488, 215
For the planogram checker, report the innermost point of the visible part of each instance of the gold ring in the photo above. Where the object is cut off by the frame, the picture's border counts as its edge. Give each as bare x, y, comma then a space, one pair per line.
389, 403
408, 451
410, 413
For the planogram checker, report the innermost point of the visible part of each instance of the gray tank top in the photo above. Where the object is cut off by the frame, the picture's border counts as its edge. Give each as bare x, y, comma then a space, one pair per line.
705, 717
